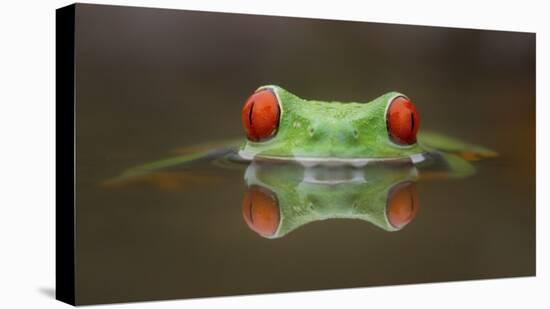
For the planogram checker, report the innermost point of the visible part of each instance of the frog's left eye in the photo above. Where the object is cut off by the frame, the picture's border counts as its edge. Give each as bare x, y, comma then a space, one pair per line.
402, 121
260, 115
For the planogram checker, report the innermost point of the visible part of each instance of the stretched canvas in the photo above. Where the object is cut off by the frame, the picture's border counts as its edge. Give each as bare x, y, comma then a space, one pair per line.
206, 154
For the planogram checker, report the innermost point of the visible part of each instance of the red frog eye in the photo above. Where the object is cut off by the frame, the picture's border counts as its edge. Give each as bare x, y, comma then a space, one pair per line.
260, 115
402, 204
261, 211
402, 121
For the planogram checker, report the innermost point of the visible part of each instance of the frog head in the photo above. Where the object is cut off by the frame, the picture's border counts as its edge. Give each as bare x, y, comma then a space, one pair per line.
279, 124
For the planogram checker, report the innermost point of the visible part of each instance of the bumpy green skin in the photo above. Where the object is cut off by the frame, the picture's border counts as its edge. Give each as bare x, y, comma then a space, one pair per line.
334, 131
309, 128
302, 201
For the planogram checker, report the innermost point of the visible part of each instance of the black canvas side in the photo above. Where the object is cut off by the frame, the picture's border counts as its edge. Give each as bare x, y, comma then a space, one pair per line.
65, 154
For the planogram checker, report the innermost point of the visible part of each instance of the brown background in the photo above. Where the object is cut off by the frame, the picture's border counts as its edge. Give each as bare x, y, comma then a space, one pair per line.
150, 81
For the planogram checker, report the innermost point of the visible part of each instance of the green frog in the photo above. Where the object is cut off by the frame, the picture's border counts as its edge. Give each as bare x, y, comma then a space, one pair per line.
284, 127
280, 125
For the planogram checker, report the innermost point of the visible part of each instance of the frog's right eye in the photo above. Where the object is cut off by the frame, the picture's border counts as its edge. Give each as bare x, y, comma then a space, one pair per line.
260, 115
261, 211
402, 121
402, 204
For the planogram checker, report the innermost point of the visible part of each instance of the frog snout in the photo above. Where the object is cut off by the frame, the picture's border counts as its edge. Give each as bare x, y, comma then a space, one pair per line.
342, 136
333, 133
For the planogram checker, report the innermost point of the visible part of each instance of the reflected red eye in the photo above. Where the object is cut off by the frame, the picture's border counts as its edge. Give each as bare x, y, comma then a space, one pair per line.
402, 121
402, 204
260, 115
261, 211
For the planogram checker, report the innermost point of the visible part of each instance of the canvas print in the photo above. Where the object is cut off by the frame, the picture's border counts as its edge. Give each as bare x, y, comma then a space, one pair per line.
207, 154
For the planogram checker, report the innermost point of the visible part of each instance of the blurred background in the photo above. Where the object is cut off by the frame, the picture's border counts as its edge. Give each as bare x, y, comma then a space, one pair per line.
150, 81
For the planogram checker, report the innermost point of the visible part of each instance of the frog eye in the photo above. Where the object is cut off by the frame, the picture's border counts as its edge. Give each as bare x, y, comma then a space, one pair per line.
260, 115
402, 121
261, 211
402, 204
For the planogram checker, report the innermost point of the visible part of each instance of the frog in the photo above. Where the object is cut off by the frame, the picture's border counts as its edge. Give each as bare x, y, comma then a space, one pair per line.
281, 126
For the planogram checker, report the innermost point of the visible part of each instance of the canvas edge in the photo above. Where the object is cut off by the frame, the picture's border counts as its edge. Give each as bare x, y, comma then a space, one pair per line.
65, 154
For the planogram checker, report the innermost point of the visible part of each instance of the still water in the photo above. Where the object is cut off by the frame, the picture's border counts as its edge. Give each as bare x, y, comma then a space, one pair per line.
156, 83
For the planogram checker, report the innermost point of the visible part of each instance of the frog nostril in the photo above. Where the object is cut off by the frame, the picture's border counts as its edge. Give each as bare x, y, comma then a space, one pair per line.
311, 131
355, 133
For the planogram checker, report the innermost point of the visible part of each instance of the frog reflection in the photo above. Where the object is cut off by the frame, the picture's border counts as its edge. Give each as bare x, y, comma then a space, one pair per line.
283, 197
